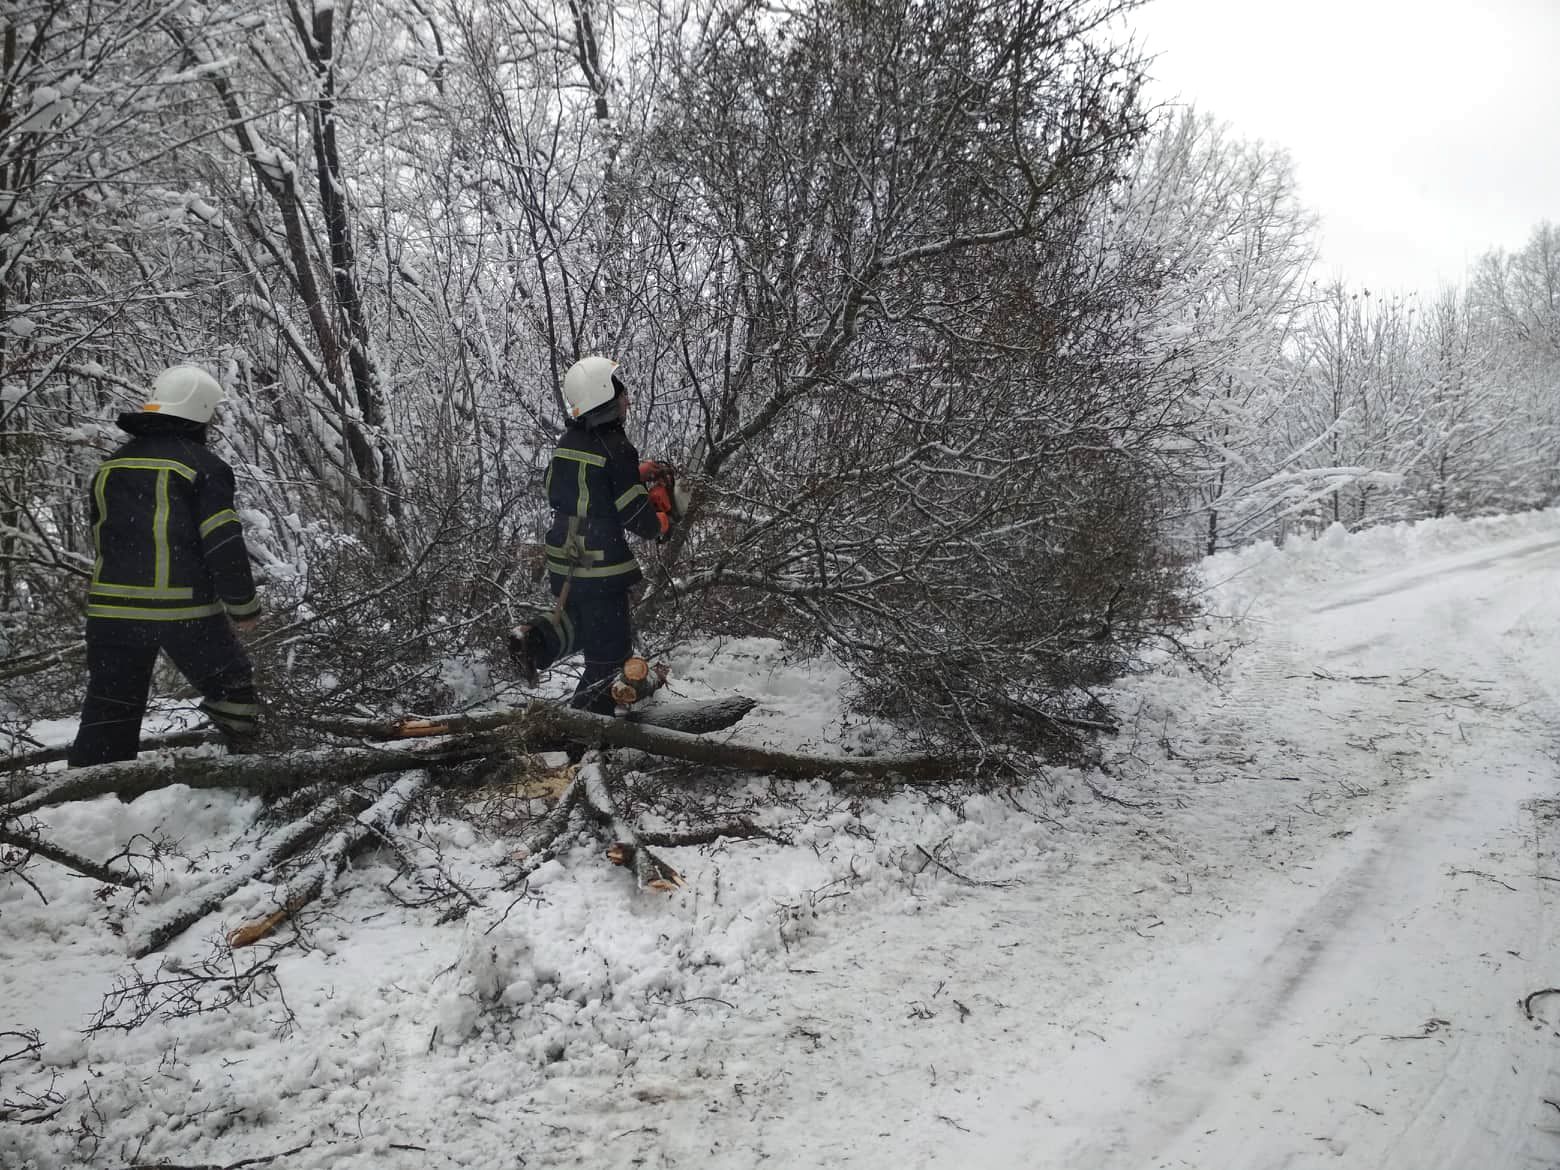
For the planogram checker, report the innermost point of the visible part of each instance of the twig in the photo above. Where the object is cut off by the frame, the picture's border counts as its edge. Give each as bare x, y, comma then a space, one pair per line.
1527, 1002
1432, 1026
536, 846
995, 885
741, 829
1105, 796
161, 928
260, 1161
82, 865
1482, 874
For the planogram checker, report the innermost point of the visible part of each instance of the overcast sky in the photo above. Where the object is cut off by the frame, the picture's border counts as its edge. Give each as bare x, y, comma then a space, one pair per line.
1423, 132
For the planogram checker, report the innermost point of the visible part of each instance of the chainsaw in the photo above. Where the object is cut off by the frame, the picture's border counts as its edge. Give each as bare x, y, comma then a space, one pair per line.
667, 497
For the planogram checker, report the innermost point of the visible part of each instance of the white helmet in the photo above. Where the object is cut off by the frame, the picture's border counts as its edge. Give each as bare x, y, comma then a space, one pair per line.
588, 384
186, 392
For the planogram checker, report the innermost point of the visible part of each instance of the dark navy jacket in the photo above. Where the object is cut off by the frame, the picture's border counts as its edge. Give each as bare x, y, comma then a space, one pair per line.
169, 545
594, 489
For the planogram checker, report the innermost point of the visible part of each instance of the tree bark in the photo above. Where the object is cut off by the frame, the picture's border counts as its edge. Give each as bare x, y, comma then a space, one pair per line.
599, 729
368, 826
690, 716
52, 755
174, 919
82, 865
626, 849
272, 775
540, 722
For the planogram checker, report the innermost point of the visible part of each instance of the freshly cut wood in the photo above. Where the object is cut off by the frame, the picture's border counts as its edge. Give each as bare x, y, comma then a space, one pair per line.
271, 774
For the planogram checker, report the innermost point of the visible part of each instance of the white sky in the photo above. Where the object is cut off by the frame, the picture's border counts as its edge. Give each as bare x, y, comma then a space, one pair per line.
1423, 132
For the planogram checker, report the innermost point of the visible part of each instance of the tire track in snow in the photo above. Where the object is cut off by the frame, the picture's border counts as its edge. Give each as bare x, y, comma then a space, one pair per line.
1247, 1085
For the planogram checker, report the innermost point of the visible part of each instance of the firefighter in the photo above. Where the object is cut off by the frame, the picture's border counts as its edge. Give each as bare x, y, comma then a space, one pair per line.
597, 496
172, 574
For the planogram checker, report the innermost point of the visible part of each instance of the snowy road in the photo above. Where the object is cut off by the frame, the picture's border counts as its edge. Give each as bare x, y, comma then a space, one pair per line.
1341, 988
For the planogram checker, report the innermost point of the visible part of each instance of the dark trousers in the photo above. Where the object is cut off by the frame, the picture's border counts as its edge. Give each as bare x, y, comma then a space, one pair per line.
598, 626
120, 657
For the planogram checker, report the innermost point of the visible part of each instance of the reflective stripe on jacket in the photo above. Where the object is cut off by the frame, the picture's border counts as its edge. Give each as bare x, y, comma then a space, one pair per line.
169, 543
594, 489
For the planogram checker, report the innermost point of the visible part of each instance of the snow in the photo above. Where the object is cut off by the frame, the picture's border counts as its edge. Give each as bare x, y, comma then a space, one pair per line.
1291, 924
206, 69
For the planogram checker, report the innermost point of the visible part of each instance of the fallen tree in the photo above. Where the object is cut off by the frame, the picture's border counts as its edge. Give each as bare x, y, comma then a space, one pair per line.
348, 808
540, 724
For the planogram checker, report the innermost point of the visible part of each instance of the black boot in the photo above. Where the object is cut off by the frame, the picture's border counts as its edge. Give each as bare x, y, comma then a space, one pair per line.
526, 650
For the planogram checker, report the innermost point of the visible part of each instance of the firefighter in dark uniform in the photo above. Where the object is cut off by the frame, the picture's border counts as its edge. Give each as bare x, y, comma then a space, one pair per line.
172, 574
593, 484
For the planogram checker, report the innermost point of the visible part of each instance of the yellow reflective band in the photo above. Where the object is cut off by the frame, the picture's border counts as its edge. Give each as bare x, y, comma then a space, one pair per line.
142, 592
227, 708
575, 552
579, 457
160, 533
564, 570
218, 519
184, 613
99, 484
172, 465
630, 496
244, 609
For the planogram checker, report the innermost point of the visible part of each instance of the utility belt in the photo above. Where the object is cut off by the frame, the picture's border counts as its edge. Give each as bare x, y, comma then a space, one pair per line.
574, 559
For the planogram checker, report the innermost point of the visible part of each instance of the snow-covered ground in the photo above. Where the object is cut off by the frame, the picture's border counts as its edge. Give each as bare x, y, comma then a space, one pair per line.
1297, 923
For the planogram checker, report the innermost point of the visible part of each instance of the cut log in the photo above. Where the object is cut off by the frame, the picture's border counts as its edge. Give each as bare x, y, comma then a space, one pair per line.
695, 716
270, 774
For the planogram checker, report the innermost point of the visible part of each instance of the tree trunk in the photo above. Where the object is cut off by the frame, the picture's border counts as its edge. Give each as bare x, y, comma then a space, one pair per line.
272, 775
